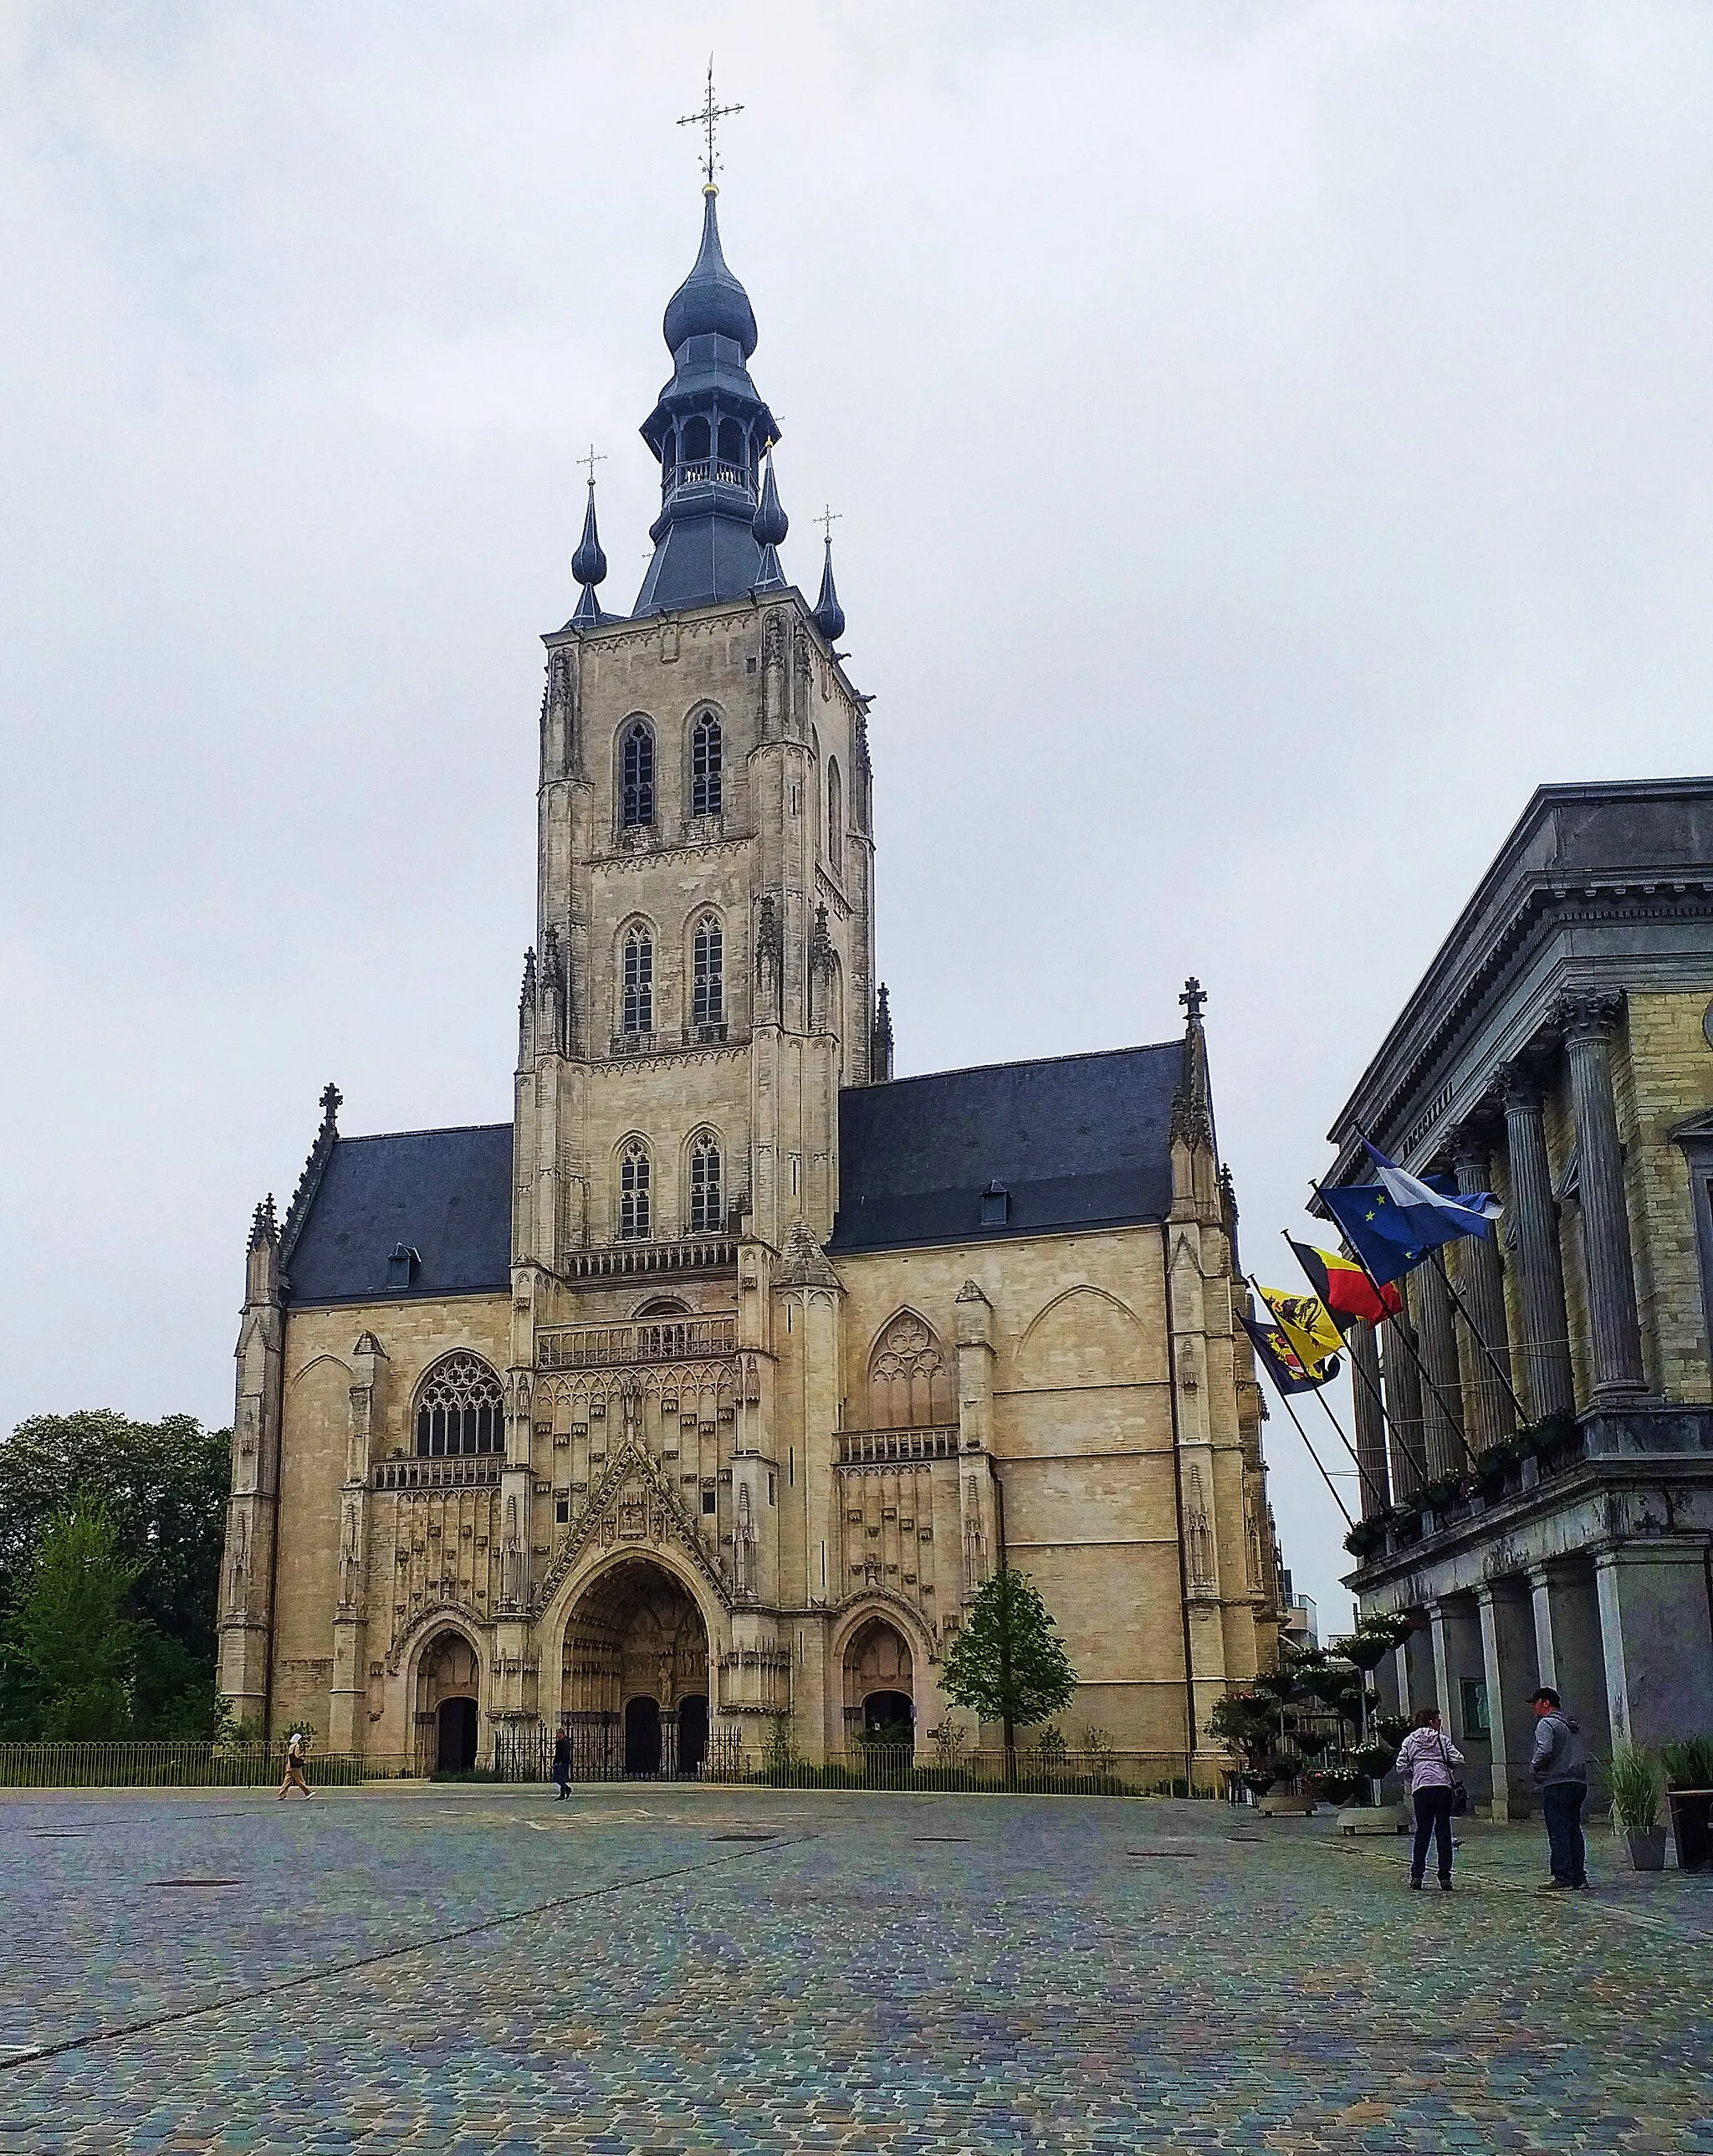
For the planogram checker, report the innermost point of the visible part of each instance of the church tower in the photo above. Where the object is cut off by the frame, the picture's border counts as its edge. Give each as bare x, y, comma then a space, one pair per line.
701, 1399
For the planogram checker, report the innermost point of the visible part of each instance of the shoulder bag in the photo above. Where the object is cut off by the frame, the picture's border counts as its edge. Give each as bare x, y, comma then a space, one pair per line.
1459, 1790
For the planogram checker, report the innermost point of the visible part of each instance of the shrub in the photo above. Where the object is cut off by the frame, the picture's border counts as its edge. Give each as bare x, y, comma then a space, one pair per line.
1688, 1763
1637, 1787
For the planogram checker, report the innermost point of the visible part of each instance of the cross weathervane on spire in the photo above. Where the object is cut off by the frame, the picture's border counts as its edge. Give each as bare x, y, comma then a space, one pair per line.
1193, 998
592, 460
828, 517
707, 120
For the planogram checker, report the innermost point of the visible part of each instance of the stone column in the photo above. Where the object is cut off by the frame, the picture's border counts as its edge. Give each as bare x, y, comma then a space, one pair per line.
1371, 1425
1491, 1417
1508, 1650
1569, 1653
1613, 1318
1402, 1385
1546, 1345
1458, 1655
1432, 1307
1654, 1630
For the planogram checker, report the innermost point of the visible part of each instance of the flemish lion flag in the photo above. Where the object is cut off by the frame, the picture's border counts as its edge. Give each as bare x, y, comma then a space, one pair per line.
1307, 1324
1344, 1287
1277, 1359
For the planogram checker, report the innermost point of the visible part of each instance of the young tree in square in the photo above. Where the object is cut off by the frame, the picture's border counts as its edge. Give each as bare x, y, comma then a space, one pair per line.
1007, 1664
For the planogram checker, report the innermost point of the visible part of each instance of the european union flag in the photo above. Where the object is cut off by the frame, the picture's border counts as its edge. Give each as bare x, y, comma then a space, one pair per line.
1382, 1234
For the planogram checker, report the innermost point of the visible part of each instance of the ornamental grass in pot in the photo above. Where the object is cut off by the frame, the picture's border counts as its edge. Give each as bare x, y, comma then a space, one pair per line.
1689, 1783
1637, 1786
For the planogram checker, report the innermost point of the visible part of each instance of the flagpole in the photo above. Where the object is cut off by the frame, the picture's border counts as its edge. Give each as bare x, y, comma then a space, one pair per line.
1357, 1370
1422, 1369
1476, 1332
1479, 1339
1284, 1398
1364, 1480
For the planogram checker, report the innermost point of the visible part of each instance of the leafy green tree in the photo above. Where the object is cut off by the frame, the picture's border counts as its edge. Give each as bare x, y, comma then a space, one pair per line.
72, 1649
161, 1488
1007, 1664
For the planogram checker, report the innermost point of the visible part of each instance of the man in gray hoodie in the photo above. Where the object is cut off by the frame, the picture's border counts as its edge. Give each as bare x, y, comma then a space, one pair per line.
1560, 1765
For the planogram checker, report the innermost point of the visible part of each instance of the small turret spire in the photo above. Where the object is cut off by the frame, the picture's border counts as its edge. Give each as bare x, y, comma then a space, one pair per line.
588, 565
770, 524
830, 615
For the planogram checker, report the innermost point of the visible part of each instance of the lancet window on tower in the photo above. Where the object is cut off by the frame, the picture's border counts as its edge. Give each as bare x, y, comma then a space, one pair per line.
708, 974
637, 1009
635, 1185
835, 818
704, 1210
637, 775
461, 1409
707, 767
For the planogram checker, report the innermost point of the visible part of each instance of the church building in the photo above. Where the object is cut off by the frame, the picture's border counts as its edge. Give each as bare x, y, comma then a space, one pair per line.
709, 1389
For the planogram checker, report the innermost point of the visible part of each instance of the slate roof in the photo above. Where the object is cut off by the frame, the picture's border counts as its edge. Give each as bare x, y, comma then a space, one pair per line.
447, 1194
1078, 1140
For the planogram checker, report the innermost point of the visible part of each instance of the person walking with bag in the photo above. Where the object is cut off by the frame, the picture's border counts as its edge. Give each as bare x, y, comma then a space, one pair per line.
296, 1761
562, 1763
1426, 1758
1560, 1767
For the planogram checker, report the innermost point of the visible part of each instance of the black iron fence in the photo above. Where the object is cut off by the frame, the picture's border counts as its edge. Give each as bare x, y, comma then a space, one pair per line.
182, 1766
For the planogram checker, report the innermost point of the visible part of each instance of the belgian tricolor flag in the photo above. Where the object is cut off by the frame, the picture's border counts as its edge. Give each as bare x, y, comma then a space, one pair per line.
1345, 1288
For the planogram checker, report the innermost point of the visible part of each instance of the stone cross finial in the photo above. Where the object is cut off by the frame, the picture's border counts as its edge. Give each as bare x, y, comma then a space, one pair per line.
1193, 997
331, 1098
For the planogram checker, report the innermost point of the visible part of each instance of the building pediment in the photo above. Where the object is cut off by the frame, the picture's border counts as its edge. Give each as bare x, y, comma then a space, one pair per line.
633, 1505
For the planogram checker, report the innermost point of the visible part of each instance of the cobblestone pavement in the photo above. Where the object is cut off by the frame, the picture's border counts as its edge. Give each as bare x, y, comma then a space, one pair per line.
473, 1970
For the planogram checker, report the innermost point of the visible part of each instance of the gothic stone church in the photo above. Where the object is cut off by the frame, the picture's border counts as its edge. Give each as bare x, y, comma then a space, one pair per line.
712, 1387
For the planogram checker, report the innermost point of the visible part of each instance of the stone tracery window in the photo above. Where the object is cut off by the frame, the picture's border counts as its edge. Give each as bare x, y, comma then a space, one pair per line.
637, 1013
835, 818
461, 1409
637, 775
635, 1181
708, 972
909, 1377
705, 1215
707, 767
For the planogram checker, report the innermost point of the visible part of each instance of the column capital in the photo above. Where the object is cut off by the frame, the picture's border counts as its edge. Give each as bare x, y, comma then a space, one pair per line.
1522, 1083
1588, 1017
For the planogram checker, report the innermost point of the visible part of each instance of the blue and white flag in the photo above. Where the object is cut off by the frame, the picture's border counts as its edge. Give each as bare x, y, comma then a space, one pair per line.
1434, 1216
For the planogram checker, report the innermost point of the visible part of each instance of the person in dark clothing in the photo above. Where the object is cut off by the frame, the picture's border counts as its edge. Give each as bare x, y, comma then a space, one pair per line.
562, 1763
1426, 1759
1559, 1766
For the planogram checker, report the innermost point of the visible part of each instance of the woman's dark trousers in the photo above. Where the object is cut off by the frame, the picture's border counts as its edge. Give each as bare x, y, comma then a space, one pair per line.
1432, 1819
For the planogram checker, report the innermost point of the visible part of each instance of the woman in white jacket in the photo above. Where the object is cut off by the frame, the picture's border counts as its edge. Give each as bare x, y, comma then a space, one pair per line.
1426, 1759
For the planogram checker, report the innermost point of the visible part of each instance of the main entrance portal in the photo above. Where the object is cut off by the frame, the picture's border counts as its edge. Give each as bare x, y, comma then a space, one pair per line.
634, 1689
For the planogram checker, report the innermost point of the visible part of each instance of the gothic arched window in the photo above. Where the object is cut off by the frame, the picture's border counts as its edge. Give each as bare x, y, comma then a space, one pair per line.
635, 1180
909, 1378
704, 1209
707, 767
461, 1409
708, 974
835, 818
637, 775
637, 1009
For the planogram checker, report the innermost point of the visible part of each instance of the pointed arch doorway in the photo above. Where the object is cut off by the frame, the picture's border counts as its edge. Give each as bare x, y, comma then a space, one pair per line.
635, 1687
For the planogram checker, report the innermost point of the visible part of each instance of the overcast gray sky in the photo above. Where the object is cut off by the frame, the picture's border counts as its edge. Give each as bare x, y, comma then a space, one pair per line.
1270, 440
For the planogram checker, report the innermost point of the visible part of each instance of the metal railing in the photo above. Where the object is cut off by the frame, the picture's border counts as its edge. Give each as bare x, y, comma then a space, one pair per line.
473, 1471
1032, 1770
652, 1340
182, 1766
708, 471
864, 1447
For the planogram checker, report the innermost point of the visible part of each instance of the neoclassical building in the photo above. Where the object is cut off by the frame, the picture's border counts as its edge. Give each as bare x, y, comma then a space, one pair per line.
710, 1388
1546, 1510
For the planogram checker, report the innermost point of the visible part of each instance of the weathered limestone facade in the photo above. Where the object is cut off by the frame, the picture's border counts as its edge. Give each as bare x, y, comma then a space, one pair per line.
699, 1444
1559, 1052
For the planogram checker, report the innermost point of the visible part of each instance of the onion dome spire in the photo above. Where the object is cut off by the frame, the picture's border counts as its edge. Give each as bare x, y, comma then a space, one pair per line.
711, 302
770, 524
830, 615
588, 565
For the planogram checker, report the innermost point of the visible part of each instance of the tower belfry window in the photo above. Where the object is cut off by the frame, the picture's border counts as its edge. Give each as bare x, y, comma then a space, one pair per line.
637, 1013
705, 1187
637, 777
635, 1181
835, 818
707, 767
708, 974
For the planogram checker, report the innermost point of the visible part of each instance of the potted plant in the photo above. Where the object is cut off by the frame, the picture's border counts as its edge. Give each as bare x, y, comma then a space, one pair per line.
1689, 1786
1637, 1786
